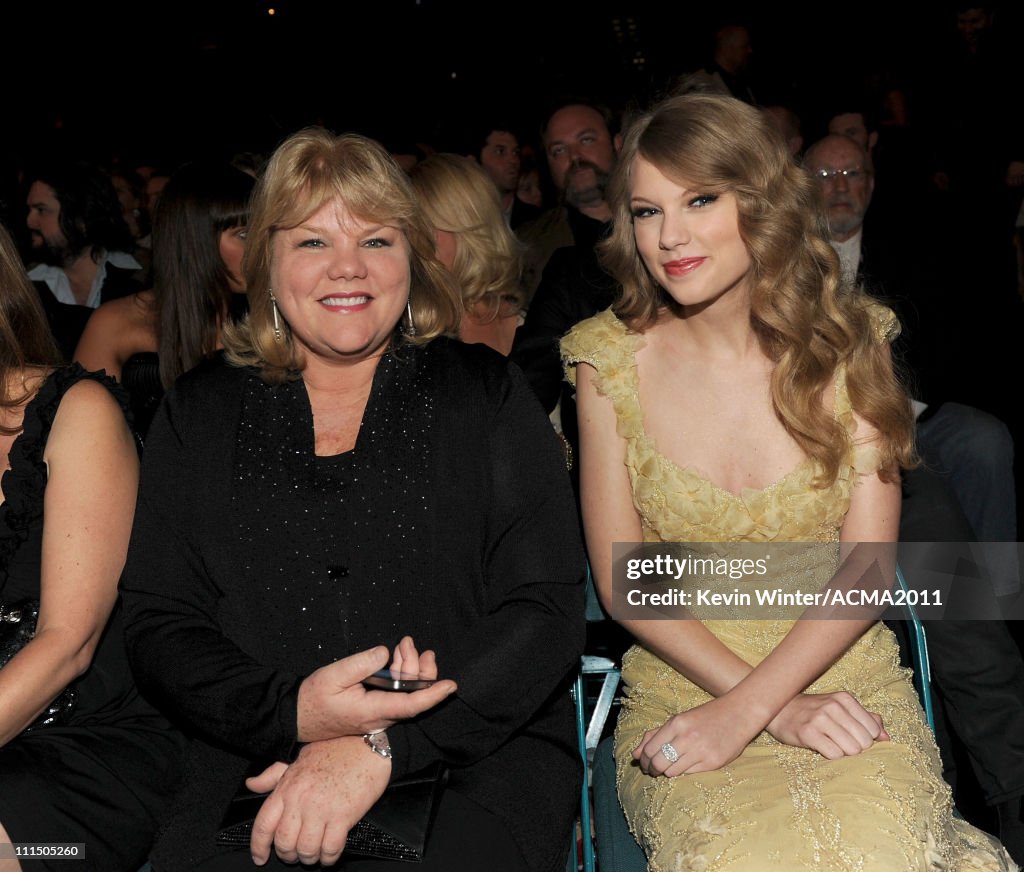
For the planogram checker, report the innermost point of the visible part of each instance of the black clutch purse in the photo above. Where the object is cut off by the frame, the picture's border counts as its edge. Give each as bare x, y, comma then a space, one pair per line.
17, 629
396, 828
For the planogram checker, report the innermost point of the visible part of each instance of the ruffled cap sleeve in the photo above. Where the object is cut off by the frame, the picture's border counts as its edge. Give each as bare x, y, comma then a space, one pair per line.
884, 323
604, 342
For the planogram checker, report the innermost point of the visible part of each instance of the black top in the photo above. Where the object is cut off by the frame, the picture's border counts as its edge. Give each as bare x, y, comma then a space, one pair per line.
67, 322
106, 691
253, 562
103, 777
574, 288
522, 212
140, 377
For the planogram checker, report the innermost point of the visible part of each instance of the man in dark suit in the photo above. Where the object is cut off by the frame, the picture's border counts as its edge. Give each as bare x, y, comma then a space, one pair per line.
581, 145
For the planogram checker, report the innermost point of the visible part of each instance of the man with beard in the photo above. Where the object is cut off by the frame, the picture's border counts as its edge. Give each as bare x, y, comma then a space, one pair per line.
581, 150
844, 170
580, 146
80, 245
963, 491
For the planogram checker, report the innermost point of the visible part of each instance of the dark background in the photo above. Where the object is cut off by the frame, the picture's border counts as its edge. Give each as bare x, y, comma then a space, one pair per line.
153, 80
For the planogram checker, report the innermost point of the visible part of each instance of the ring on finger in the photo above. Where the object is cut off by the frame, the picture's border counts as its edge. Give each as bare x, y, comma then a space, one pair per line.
670, 753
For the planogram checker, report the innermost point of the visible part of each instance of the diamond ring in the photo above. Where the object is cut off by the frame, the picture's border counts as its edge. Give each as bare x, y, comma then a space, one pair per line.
671, 754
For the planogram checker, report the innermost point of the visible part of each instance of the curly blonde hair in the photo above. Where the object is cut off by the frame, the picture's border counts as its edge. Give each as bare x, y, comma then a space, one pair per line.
310, 169
804, 322
457, 196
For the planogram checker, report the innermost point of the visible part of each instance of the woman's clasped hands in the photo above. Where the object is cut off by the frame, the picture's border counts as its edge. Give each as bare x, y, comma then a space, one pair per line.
336, 778
713, 734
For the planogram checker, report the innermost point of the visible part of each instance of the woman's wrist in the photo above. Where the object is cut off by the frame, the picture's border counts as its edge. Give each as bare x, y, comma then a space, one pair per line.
753, 708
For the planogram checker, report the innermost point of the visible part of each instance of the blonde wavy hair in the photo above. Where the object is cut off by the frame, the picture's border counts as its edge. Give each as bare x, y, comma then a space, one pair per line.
459, 197
309, 170
804, 322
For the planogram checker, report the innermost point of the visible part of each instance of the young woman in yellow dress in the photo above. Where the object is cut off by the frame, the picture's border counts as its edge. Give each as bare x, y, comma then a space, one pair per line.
733, 394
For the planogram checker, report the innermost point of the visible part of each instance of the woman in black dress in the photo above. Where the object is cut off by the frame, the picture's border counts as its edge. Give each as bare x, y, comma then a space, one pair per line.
347, 477
98, 771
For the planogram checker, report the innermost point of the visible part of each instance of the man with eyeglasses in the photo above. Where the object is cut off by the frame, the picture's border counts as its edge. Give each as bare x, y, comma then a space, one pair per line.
972, 447
847, 181
963, 492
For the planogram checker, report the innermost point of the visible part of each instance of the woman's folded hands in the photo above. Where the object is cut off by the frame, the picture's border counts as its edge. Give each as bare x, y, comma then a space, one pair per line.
713, 734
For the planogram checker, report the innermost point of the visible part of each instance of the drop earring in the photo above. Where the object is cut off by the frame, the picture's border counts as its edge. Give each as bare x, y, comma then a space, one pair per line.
410, 329
277, 316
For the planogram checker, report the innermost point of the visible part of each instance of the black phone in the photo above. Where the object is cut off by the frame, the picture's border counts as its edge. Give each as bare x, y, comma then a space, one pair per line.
385, 679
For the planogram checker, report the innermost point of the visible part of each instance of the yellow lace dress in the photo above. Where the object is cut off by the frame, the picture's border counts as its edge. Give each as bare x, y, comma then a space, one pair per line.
775, 807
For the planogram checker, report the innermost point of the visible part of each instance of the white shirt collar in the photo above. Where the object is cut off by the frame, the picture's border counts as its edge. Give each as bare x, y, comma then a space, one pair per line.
57, 281
849, 256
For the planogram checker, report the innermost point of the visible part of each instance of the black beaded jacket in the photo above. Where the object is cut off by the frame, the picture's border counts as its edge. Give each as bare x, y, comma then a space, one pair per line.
254, 562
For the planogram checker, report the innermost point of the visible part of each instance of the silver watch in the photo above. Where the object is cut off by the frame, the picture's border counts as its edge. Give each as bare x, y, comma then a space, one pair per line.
379, 744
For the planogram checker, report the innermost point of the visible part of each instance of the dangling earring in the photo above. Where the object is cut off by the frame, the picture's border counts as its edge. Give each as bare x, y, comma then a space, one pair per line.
410, 329
277, 317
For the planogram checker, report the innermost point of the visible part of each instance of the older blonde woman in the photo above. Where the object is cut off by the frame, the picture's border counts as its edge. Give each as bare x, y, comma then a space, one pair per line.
474, 243
345, 479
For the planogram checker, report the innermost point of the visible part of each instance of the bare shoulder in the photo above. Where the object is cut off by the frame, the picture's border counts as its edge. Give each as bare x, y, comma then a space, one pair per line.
89, 417
86, 399
117, 330
135, 312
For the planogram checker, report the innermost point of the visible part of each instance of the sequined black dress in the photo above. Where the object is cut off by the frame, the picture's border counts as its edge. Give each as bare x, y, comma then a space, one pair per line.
104, 777
253, 562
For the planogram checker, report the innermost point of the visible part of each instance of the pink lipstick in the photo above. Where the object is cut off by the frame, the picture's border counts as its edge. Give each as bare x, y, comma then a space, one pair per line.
683, 266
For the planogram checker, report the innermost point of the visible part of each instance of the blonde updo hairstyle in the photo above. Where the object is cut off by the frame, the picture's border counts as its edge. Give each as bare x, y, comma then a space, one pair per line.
806, 326
309, 170
459, 197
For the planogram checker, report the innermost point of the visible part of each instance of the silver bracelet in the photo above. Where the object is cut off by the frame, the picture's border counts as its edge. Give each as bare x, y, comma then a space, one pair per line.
379, 744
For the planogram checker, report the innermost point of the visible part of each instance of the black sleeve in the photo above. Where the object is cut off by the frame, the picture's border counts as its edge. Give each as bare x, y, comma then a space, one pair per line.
552, 313
181, 659
519, 654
